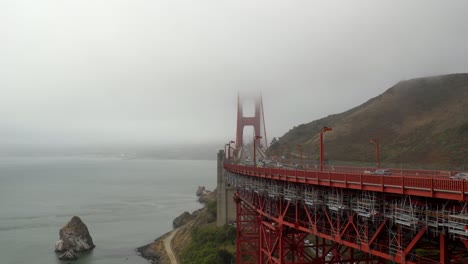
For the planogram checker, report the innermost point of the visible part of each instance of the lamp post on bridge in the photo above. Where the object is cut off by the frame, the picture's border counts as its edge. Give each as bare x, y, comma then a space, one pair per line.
300, 148
323, 130
255, 150
229, 148
225, 145
377, 151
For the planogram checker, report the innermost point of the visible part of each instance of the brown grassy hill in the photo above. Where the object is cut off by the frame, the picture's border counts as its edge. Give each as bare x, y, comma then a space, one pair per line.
419, 121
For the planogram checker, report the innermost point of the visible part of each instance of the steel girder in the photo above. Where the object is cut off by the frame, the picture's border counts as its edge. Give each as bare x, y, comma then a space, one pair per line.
282, 226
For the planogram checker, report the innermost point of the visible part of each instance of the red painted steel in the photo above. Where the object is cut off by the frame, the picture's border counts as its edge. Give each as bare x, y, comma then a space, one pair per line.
323, 130
255, 121
377, 152
282, 238
433, 187
246, 233
273, 230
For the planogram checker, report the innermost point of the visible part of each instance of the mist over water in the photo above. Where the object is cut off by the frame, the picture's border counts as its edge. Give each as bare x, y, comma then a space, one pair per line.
124, 203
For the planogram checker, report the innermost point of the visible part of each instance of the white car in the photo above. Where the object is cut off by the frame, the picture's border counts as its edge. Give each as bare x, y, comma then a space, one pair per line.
460, 176
382, 172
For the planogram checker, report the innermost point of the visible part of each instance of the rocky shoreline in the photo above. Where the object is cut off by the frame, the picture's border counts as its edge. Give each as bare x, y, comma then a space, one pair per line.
155, 251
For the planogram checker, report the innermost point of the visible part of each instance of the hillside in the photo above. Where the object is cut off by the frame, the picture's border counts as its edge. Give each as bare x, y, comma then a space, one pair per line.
197, 240
419, 121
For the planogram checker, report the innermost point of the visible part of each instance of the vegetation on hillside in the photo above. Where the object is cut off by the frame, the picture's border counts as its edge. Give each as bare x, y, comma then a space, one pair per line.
419, 121
210, 245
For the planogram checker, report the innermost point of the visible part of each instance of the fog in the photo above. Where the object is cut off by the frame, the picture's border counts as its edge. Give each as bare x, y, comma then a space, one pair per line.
87, 74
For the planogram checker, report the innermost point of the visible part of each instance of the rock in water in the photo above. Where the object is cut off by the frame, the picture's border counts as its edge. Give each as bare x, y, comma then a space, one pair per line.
74, 236
69, 255
59, 246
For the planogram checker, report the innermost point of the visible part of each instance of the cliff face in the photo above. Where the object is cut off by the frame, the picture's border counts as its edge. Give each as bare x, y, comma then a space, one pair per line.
419, 121
181, 220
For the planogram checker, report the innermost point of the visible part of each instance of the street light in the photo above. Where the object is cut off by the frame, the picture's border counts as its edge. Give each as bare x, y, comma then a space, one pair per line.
300, 147
225, 145
255, 159
229, 149
377, 150
323, 130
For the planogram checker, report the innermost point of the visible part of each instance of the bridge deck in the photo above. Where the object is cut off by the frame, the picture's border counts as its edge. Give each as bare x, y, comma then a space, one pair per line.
425, 186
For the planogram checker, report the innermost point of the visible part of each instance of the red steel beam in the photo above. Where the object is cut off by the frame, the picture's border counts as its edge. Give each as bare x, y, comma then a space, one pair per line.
443, 249
281, 222
413, 243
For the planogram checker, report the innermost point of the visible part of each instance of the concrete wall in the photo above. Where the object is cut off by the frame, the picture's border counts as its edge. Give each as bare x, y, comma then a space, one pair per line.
226, 208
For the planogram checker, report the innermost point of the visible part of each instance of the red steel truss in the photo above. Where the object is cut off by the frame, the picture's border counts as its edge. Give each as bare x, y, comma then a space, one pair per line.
247, 232
294, 217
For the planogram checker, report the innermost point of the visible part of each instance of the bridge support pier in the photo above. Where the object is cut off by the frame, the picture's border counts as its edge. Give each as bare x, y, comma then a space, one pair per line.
225, 207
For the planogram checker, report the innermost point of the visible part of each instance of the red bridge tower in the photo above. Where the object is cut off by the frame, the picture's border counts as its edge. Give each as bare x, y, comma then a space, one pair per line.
257, 121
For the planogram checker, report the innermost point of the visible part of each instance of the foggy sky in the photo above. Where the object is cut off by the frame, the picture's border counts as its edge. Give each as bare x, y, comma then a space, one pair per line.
153, 72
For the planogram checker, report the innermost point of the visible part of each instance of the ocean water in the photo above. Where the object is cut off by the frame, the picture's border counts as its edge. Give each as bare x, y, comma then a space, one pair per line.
124, 203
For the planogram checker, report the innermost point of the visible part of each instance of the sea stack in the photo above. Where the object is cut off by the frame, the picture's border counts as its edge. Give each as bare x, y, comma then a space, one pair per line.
74, 237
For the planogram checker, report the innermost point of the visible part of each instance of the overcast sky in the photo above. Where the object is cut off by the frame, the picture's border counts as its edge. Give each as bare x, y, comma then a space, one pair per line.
100, 71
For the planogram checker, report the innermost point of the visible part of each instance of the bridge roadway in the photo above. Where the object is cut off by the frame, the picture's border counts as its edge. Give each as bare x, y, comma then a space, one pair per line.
353, 217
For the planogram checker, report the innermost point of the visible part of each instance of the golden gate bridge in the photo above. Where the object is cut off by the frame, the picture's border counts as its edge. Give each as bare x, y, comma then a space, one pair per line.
342, 214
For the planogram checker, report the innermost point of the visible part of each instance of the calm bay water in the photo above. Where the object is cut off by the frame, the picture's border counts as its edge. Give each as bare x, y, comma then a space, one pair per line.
124, 203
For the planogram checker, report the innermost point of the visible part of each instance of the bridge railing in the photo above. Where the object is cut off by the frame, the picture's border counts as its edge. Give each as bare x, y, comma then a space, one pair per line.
363, 170
439, 187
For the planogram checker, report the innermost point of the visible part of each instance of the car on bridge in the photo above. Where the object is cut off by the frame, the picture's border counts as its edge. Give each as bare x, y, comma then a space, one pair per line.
383, 172
460, 176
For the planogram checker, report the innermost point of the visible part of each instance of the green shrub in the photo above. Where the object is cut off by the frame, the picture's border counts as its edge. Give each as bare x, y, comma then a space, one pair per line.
208, 246
212, 207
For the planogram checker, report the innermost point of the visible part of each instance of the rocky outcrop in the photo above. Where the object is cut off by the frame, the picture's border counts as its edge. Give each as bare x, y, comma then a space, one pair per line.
155, 252
205, 198
200, 191
181, 220
203, 195
74, 237
148, 253
68, 255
